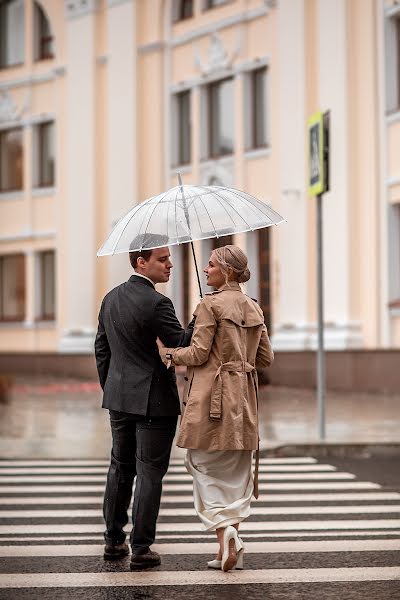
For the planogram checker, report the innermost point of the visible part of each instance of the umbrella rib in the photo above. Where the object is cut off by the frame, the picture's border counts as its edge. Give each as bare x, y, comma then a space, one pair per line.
156, 204
249, 204
197, 214
176, 220
205, 208
244, 220
141, 205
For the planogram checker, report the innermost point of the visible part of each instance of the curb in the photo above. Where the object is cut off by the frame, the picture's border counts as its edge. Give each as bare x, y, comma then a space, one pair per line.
333, 449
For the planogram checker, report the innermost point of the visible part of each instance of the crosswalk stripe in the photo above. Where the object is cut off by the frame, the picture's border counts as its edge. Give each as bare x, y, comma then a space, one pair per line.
188, 499
190, 578
167, 478
246, 536
196, 526
172, 470
49, 506
76, 462
210, 548
345, 485
190, 512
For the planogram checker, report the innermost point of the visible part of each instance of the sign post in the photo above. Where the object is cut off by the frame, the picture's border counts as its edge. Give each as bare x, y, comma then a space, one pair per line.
318, 183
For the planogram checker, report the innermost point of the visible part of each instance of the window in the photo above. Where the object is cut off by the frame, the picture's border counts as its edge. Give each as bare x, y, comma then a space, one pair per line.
11, 160
46, 310
182, 137
392, 60
220, 117
12, 287
43, 37
44, 153
11, 33
182, 9
213, 3
258, 109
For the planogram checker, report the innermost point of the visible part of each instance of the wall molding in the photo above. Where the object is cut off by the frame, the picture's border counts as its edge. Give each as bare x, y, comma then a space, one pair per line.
74, 9
28, 80
238, 19
20, 237
233, 71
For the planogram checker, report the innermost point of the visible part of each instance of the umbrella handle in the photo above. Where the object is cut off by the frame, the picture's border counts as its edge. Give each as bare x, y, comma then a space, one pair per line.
197, 269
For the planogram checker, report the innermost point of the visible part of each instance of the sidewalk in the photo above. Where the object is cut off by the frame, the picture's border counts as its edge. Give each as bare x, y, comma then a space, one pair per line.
53, 418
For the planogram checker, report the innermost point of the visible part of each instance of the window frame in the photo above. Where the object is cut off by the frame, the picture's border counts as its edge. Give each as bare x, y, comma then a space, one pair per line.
40, 19
209, 5
392, 63
254, 142
4, 132
210, 118
19, 63
180, 131
39, 155
42, 315
20, 317
178, 11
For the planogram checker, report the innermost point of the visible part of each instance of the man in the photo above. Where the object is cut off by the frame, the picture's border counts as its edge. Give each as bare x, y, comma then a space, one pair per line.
142, 399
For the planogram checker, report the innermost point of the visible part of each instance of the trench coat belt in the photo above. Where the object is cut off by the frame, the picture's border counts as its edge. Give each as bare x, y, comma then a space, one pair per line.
238, 366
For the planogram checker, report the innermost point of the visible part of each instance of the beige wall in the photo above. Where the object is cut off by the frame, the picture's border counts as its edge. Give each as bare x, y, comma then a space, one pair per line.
109, 90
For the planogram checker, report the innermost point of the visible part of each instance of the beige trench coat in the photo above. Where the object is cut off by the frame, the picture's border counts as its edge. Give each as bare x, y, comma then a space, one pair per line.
220, 397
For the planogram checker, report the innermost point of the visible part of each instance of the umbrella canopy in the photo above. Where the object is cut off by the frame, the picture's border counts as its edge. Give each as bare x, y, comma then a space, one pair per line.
187, 213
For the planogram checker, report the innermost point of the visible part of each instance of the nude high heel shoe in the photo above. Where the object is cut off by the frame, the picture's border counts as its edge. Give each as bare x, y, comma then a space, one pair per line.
230, 561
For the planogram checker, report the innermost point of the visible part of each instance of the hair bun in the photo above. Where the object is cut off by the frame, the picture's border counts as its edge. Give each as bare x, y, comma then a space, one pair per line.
245, 276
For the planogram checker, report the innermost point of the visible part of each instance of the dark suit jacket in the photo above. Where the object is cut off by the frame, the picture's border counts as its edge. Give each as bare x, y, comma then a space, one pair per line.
131, 373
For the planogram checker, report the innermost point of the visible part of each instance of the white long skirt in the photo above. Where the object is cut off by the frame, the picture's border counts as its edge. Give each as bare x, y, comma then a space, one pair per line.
222, 486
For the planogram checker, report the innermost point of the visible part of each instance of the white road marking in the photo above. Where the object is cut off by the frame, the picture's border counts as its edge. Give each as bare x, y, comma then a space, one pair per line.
169, 487
335, 524
190, 512
190, 578
178, 477
172, 470
350, 497
211, 536
105, 463
209, 548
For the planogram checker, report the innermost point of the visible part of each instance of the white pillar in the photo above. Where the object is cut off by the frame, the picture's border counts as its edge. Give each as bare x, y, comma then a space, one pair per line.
291, 328
79, 251
333, 91
121, 123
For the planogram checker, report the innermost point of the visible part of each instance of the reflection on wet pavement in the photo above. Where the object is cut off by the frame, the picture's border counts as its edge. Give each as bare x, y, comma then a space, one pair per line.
64, 419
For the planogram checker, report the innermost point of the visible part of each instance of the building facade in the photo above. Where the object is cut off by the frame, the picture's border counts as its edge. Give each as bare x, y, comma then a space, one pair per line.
102, 102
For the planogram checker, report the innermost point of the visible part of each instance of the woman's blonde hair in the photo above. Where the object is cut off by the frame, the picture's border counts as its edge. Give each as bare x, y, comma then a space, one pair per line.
232, 257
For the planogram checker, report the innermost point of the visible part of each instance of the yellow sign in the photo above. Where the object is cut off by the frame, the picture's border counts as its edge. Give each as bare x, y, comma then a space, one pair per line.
315, 175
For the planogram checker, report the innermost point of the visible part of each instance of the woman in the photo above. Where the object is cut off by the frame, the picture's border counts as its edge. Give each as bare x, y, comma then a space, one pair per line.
219, 425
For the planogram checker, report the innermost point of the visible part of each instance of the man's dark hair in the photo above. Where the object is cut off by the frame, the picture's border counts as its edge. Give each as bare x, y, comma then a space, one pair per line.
133, 256
144, 241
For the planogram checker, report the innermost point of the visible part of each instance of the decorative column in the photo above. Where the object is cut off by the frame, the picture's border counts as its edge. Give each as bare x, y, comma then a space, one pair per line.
341, 331
290, 326
120, 123
78, 251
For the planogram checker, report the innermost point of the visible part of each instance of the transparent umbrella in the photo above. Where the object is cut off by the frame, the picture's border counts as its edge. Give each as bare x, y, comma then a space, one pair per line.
187, 213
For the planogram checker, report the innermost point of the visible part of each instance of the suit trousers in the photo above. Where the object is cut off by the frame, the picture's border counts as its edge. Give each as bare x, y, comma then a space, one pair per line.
141, 448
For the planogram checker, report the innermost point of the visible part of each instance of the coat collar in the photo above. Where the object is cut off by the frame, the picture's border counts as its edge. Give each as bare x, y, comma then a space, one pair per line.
232, 286
138, 279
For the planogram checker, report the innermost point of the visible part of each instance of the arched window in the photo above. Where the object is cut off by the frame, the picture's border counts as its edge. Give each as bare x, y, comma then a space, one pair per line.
43, 36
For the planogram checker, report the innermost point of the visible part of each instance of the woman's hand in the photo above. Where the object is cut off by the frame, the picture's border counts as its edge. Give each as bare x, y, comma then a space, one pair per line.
160, 344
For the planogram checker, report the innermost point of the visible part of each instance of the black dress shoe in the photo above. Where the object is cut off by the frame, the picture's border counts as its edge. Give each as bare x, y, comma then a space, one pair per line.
114, 552
145, 561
